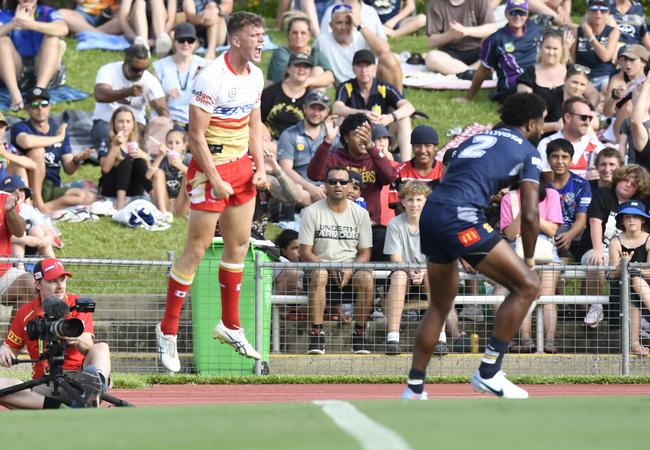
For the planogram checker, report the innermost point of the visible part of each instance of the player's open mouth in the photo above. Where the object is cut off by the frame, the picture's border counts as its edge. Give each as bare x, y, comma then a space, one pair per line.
258, 51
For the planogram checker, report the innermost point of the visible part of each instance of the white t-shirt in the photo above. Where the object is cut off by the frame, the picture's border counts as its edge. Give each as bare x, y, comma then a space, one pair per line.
401, 240
31, 214
369, 18
170, 78
113, 75
339, 56
584, 152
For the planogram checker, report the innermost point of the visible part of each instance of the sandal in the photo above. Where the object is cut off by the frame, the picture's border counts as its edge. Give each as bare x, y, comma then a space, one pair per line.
549, 347
640, 350
526, 346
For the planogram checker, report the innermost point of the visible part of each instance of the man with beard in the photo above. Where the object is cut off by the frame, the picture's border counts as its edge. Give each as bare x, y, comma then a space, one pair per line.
453, 226
298, 143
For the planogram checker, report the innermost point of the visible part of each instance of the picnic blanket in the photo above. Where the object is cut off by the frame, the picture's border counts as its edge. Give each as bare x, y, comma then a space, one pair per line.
419, 76
58, 94
90, 40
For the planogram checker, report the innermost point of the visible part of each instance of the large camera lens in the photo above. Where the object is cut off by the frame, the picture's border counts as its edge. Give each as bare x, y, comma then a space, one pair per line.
70, 328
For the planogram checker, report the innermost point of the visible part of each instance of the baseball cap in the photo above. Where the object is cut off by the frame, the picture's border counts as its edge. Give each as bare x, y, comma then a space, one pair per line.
185, 30
49, 269
37, 92
635, 51
363, 56
424, 134
300, 58
13, 183
317, 97
517, 4
380, 131
598, 3
355, 178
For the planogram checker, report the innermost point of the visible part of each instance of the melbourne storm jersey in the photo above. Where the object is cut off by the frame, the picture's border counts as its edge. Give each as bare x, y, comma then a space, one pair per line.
484, 164
229, 98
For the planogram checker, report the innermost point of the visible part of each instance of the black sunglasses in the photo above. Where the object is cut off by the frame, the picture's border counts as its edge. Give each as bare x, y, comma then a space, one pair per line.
517, 12
42, 103
583, 117
335, 181
186, 40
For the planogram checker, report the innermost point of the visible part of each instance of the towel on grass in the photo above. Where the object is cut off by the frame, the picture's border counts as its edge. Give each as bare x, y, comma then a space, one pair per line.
419, 76
58, 94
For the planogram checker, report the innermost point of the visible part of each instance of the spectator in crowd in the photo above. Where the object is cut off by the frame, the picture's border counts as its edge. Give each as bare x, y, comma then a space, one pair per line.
455, 29
550, 218
357, 153
559, 11
335, 229
172, 161
350, 35
634, 243
178, 71
89, 362
577, 114
380, 101
13, 162
399, 17
129, 84
282, 103
403, 245
98, 16
31, 50
363, 13
298, 41
630, 18
138, 17
124, 164
209, 15
423, 167
630, 182
46, 142
606, 162
288, 281
638, 139
596, 43
38, 234
618, 107
509, 51
16, 285
297, 146
575, 196
546, 78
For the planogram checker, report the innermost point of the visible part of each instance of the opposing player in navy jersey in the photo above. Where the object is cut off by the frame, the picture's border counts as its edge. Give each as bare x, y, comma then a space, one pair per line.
453, 225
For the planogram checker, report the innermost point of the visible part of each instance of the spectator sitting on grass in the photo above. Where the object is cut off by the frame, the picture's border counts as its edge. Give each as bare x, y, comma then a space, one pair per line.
31, 50
210, 17
99, 16
138, 19
47, 144
13, 161
38, 234
298, 37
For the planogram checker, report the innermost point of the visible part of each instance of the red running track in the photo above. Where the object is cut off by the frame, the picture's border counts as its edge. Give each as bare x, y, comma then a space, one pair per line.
191, 394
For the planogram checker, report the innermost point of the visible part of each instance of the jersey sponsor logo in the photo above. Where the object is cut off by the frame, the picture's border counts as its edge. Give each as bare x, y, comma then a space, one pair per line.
337, 232
203, 97
509, 47
468, 237
300, 147
487, 227
233, 110
14, 338
232, 93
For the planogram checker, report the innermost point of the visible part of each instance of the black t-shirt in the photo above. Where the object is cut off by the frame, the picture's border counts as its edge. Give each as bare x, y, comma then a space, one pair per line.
642, 158
603, 206
552, 97
279, 111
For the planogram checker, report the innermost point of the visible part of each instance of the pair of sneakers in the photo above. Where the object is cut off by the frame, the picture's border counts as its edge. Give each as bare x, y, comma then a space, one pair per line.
168, 348
317, 343
498, 386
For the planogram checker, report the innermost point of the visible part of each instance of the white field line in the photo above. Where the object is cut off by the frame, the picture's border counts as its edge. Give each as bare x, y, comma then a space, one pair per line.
370, 434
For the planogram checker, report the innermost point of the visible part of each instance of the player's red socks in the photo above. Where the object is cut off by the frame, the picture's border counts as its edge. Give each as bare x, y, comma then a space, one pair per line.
177, 288
230, 276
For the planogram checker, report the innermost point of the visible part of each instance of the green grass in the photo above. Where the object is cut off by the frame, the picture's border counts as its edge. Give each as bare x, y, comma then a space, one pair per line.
107, 239
586, 423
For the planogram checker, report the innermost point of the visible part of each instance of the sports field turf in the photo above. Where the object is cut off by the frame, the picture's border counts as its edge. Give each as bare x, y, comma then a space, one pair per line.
577, 423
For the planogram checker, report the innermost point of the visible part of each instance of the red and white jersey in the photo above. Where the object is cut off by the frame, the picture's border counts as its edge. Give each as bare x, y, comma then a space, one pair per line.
584, 152
229, 98
5, 235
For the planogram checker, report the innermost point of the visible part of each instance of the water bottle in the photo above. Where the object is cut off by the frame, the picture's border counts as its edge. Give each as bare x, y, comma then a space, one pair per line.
473, 343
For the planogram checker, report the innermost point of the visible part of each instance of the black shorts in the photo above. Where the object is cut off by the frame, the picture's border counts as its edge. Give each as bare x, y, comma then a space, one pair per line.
468, 57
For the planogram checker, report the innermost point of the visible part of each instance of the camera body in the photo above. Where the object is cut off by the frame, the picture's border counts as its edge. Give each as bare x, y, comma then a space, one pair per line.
52, 326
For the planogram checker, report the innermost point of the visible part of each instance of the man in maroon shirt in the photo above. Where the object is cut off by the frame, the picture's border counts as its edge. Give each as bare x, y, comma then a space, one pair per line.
358, 154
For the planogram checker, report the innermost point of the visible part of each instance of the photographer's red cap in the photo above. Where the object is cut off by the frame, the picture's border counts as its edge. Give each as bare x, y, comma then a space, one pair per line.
49, 269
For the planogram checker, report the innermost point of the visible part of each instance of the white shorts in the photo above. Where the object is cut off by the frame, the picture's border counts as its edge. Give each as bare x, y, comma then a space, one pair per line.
585, 258
9, 278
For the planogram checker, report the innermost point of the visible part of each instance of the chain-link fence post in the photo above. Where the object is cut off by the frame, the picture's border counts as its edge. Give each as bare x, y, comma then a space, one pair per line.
259, 322
625, 319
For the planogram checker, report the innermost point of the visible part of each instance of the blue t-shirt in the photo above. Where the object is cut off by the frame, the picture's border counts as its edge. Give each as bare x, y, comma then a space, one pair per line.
575, 198
586, 55
631, 23
53, 153
484, 164
297, 146
510, 55
28, 42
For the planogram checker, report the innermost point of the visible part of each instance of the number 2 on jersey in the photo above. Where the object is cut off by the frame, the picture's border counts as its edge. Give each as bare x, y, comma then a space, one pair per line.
479, 144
